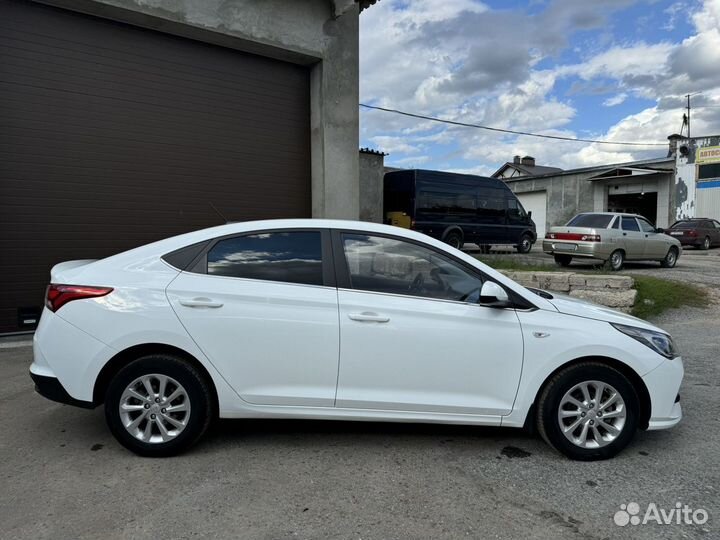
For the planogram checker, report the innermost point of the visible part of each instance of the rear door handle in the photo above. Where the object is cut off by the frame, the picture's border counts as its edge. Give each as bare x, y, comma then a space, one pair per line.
368, 316
200, 303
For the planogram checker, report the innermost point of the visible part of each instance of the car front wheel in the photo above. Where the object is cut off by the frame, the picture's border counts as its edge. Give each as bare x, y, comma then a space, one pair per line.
670, 259
158, 405
588, 411
525, 244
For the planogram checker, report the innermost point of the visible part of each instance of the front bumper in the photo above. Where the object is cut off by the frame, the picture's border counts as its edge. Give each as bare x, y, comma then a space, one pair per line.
592, 250
663, 384
50, 388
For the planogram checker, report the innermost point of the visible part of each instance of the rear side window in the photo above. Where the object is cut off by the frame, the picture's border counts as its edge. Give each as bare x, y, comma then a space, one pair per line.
292, 257
630, 224
593, 221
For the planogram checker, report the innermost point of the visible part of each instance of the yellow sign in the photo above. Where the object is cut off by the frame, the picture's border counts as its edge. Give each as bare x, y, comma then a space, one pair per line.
709, 154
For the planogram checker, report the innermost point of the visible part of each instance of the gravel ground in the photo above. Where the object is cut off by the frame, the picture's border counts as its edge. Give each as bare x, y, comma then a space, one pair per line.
63, 476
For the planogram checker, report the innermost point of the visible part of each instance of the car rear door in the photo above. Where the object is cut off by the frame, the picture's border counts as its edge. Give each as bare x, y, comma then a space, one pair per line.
263, 308
633, 239
414, 338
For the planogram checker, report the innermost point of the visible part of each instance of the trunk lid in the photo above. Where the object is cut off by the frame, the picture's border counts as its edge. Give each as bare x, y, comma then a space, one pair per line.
65, 271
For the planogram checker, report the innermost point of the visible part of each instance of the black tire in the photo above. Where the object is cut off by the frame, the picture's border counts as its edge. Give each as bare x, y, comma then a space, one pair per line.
525, 244
550, 402
454, 239
670, 259
615, 261
198, 393
706, 244
563, 260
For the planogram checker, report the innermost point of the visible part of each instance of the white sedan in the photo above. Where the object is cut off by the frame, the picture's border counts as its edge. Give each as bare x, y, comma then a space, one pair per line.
341, 320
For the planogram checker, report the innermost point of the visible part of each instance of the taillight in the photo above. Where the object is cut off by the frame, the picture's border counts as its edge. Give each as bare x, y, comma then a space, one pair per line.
56, 296
574, 236
692, 233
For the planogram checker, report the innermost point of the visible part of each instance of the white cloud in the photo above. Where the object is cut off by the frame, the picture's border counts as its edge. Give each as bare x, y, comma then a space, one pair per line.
617, 99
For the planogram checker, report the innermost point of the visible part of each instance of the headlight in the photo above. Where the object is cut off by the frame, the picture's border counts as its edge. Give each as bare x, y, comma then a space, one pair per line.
657, 341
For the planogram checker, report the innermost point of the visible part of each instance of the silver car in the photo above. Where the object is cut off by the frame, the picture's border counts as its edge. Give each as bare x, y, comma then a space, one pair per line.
612, 238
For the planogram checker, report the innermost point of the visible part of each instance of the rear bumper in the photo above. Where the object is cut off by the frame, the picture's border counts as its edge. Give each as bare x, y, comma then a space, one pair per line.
50, 388
591, 250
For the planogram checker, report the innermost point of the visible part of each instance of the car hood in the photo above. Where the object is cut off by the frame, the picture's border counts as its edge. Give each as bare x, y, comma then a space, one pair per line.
581, 308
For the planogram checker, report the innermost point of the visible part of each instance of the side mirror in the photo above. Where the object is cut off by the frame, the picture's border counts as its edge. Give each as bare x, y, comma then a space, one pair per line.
493, 295
529, 214
660, 230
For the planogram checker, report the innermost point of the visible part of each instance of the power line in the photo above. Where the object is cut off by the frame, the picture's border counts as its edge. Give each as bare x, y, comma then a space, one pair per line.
500, 130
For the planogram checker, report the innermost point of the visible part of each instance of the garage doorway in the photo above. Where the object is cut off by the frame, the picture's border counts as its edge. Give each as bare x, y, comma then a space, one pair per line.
644, 204
536, 202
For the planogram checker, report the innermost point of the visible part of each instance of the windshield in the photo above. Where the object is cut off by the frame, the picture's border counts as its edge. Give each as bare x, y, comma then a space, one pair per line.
594, 221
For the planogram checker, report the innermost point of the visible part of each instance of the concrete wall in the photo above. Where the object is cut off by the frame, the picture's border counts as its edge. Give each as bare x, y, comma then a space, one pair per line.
322, 34
372, 171
567, 195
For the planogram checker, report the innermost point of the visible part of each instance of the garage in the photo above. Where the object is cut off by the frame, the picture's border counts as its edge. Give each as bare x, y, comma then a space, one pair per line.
536, 202
112, 136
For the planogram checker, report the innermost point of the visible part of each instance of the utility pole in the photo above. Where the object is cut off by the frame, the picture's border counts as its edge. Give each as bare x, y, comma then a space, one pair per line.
688, 110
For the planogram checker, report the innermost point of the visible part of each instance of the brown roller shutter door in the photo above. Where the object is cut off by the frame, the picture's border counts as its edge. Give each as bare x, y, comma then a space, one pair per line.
112, 136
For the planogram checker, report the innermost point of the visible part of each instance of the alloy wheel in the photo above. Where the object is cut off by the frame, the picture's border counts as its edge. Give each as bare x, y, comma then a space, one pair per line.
154, 408
592, 414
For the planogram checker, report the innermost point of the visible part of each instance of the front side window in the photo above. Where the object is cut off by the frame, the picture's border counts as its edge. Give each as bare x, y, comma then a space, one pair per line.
630, 224
645, 226
293, 257
515, 210
388, 265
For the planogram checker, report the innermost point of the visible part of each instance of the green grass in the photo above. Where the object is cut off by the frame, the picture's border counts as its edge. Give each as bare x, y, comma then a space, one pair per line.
655, 295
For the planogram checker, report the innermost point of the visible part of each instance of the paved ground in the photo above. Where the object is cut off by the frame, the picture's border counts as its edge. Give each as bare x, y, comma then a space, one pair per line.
63, 476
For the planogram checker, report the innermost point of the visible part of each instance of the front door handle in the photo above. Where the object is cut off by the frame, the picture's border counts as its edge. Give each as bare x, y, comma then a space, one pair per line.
200, 303
368, 316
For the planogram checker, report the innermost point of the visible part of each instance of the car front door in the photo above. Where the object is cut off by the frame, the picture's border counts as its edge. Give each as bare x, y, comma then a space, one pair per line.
656, 244
413, 336
632, 238
263, 309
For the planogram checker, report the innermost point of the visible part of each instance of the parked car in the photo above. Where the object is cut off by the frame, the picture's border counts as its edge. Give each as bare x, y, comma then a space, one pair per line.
701, 233
612, 238
347, 321
458, 209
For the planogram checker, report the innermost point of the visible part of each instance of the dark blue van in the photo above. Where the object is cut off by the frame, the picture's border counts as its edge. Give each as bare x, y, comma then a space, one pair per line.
457, 208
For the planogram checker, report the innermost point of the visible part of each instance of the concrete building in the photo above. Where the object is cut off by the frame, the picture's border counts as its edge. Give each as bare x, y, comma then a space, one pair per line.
125, 121
697, 182
372, 174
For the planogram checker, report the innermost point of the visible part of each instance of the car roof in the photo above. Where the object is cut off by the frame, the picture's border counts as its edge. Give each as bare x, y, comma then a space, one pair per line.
624, 214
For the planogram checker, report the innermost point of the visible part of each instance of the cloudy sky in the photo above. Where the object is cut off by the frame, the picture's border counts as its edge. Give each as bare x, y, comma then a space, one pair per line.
614, 70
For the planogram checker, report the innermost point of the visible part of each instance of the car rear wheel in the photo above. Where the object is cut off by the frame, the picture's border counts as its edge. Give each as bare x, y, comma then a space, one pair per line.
525, 244
563, 260
616, 260
588, 411
454, 239
706, 243
670, 259
158, 405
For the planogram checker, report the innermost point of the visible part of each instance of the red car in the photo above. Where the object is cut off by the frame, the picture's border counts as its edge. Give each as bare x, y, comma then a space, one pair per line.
702, 233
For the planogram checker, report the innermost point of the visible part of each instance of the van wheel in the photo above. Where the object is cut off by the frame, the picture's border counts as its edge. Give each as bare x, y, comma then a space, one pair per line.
563, 260
670, 259
158, 405
454, 239
525, 244
616, 261
588, 411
